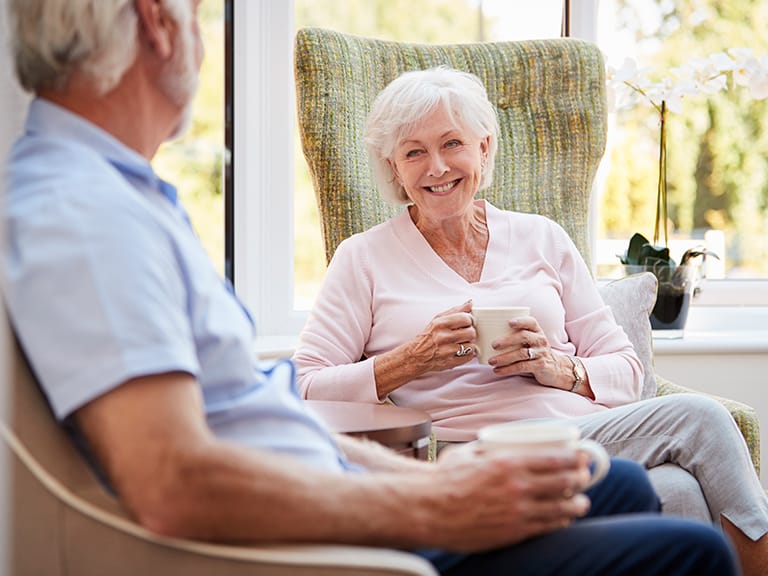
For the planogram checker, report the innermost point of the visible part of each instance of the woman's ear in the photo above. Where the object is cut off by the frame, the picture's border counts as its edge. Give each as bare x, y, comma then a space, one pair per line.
157, 26
485, 145
393, 167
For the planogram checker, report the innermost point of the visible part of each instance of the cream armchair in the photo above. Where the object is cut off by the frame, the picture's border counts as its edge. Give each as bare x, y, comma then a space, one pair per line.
550, 101
63, 522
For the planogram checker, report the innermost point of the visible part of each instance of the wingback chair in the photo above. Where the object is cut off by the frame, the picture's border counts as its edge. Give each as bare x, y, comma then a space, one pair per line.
551, 105
64, 522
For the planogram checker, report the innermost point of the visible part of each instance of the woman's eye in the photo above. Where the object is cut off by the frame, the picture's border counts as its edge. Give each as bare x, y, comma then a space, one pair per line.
452, 143
412, 153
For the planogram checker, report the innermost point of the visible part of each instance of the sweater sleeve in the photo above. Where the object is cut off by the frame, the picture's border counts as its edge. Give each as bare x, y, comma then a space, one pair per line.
329, 357
614, 369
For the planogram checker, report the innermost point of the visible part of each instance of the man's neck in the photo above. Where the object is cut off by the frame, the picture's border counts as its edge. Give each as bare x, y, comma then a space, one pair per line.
132, 112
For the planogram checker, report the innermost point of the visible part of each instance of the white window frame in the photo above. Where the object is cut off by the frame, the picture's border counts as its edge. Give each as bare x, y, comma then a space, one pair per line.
263, 170
263, 164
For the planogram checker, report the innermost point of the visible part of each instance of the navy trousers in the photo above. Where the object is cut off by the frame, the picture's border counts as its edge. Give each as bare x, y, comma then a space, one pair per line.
623, 535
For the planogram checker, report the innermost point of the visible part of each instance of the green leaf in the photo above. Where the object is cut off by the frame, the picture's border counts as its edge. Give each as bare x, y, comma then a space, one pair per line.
632, 255
654, 256
641, 252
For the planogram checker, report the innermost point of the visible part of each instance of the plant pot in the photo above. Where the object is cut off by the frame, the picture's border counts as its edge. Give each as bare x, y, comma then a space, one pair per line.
675, 291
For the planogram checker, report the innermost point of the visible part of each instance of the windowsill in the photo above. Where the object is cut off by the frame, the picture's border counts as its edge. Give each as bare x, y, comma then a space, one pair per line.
722, 330
269, 347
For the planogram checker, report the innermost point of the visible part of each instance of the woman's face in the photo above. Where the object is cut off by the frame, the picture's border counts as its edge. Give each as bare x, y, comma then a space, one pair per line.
439, 164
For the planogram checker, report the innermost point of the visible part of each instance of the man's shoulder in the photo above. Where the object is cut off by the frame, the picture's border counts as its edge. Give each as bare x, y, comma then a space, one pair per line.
46, 175
60, 149
37, 159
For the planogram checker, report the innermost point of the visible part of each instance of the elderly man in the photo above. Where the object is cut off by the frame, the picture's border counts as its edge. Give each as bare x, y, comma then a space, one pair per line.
147, 355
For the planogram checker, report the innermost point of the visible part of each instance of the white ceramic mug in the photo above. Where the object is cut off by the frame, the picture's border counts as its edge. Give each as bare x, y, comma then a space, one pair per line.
492, 323
544, 437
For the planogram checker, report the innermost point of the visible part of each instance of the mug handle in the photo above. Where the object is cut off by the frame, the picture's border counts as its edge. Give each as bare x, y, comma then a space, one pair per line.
600, 458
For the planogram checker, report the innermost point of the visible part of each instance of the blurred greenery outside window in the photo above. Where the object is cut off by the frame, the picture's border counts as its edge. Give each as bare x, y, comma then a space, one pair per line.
440, 22
718, 145
194, 163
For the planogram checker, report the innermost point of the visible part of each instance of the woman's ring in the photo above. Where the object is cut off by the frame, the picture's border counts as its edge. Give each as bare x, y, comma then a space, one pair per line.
463, 350
531, 354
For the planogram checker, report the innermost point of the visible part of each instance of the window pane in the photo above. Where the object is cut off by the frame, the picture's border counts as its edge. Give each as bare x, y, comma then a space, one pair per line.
194, 163
440, 21
717, 144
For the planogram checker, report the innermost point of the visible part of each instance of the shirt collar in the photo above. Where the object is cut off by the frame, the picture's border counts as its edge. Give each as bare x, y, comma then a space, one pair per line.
48, 118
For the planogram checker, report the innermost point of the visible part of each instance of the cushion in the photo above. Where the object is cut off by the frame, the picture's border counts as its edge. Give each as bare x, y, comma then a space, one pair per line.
631, 299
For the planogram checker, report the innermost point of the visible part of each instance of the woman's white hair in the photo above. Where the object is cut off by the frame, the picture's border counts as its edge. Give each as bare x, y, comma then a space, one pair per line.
52, 39
410, 98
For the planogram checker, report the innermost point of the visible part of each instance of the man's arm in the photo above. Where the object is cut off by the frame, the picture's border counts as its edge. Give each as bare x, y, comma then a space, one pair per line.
377, 457
151, 437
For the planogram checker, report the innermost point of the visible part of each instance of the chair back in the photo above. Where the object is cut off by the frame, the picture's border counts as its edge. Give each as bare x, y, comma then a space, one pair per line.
63, 521
550, 100
44, 461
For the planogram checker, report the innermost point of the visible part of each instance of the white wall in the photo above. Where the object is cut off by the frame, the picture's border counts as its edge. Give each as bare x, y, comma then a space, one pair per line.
12, 103
725, 353
4, 364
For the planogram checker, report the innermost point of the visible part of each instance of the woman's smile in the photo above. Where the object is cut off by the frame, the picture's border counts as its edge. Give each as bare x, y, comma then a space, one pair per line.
443, 188
439, 164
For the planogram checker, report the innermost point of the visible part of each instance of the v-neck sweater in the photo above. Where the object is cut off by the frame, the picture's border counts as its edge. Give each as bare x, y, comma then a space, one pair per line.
384, 285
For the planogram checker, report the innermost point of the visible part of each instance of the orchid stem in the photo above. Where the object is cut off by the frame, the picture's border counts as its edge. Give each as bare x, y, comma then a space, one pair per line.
661, 196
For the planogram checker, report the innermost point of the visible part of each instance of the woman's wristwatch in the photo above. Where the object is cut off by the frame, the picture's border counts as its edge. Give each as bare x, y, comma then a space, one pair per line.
579, 373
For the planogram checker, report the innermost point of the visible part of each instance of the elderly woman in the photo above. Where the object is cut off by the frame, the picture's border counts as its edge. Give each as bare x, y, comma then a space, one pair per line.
400, 297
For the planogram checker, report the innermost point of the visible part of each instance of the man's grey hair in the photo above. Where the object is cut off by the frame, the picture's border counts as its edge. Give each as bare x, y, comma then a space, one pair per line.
53, 39
410, 98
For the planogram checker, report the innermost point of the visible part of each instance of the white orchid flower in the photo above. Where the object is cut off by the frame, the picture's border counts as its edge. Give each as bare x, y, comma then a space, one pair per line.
708, 75
628, 71
624, 84
758, 81
702, 75
747, 70
739, 54
727, 61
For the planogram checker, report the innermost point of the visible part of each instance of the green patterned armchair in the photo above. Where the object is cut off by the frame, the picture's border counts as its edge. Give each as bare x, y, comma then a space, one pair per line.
550, 100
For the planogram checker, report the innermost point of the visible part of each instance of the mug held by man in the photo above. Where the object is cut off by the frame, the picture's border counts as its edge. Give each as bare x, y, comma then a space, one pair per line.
544, 437
492, 323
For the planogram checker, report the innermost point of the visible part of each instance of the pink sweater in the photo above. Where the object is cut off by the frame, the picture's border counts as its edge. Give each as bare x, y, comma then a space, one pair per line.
383, 286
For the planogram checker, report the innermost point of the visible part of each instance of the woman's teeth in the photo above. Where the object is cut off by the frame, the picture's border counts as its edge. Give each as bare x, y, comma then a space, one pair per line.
443, 188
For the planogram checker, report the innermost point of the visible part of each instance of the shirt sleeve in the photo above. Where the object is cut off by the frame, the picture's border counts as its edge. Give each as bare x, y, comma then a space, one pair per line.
614, 369
95, 294
329, 357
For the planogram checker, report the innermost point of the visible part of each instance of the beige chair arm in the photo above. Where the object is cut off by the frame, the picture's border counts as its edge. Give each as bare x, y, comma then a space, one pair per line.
140, 549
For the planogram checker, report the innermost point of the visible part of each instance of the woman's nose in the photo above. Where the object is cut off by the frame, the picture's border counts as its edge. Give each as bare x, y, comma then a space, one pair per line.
437, 166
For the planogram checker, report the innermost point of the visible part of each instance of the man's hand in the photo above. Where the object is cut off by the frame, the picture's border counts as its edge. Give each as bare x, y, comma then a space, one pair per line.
492, 499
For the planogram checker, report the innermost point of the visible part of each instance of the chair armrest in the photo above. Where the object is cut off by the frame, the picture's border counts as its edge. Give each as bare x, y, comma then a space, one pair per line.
744, 415
91, 532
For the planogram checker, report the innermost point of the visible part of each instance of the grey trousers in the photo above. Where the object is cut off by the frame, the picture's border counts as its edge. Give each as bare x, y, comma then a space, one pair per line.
696, 456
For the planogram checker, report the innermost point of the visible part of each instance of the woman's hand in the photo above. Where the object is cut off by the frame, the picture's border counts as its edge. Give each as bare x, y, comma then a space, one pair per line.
526, 350
446, 342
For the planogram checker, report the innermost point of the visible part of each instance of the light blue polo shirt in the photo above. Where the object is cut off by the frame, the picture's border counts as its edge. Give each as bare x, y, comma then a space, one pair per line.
108, 282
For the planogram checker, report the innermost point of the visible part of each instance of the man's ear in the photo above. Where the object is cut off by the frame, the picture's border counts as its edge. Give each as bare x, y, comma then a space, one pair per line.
157, 25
